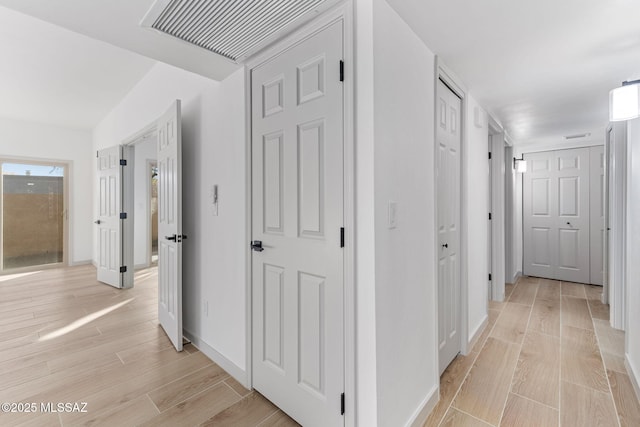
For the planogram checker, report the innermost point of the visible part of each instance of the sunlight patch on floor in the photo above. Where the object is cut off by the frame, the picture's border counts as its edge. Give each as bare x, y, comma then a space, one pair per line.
82, 321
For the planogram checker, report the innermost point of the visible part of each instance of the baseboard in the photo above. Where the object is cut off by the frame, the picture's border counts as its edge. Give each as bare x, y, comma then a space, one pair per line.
78, 263
141, 266
476, 334
632, 375
422, 413
517, 276
231, 368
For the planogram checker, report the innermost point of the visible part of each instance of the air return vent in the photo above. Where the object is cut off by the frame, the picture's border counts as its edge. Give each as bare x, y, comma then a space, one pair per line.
231, 28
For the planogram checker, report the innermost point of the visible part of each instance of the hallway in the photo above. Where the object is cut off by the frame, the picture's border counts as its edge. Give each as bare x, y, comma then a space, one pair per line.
546, 358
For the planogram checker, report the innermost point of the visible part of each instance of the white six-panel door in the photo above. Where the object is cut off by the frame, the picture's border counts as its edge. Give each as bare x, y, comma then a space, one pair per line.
297, 190
448, 140
108, 221
556, 215
170, 224
597, 206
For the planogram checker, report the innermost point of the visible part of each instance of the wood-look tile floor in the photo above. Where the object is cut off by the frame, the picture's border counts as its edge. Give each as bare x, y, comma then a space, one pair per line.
547, 357
64, 337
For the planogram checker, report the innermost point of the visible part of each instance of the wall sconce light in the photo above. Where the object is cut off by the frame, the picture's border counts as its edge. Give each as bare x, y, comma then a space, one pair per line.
624, 101
520, 165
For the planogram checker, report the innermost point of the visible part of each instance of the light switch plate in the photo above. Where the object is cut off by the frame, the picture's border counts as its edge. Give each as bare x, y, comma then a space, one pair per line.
393, 214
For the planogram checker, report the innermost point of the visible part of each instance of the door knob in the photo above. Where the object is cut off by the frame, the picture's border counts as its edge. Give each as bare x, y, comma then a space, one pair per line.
568, 223
173, 238
256, 245
446, 245
97, 222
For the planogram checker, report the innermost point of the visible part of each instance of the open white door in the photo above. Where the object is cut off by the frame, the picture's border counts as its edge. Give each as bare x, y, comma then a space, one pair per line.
170, 224
112, 259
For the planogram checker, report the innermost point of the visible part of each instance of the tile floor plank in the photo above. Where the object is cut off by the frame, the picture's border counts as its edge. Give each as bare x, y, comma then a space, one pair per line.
584, 407
484, 392
537, 374
521, 412
512, 323
627, 404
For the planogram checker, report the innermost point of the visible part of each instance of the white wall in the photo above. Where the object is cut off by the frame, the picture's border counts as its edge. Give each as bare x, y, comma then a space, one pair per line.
214, 255
143, 153
476, 166
28, 140
407, 372
632, 347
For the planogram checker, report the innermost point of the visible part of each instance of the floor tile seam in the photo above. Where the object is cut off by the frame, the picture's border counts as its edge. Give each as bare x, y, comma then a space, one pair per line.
466, 375
186, 375
615, 405
473, 416
534, 400
515, 365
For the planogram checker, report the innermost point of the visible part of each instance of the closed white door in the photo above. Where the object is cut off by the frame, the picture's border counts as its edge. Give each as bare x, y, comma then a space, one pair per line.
170, 235
596, 218
297, 188
448, 142
108, 221
556, 215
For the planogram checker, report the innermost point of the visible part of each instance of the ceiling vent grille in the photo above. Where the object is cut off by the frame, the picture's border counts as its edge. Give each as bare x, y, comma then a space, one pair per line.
231, 28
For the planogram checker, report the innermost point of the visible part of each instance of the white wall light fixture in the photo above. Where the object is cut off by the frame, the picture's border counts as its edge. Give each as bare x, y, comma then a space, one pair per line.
520, 165
624, 101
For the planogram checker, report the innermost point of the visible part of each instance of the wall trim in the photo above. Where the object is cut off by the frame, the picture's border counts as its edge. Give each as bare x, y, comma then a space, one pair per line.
632, 375
421, 414
82, 262
475, 336
231, 368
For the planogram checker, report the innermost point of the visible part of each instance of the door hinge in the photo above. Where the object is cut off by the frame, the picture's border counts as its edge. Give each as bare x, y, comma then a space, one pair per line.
123, 162
123, 269
123, 215
342, 404
489, 155
489, 276
342, 237
97, 154
489, 216
341, 70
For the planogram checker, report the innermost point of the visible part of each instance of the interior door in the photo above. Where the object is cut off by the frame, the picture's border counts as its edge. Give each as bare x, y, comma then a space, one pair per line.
556, 215
108, 222
297, 262
448, 142
170, 235
597, 213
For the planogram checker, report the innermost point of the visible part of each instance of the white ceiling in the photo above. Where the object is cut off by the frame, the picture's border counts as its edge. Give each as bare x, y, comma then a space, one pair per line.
54, 76
543, 68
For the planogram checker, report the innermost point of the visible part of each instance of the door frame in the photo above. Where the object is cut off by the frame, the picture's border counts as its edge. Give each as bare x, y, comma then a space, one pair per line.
342, 12
450, 79
615, 283
129, 144
498, 212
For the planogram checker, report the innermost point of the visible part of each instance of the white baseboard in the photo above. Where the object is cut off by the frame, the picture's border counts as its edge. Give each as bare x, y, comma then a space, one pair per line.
78, 263
476, 334
422, 413
632, 375
231, 368
516, 276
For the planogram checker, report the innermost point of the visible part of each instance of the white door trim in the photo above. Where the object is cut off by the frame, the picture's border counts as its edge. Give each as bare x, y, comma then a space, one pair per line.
497, 237
443, 73
344, 13
617, 201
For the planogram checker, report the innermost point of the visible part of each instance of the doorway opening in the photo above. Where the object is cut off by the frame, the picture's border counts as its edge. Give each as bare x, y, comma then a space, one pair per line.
152, 174
34, 214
